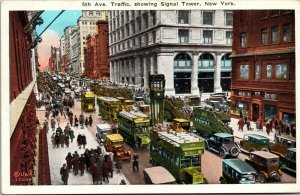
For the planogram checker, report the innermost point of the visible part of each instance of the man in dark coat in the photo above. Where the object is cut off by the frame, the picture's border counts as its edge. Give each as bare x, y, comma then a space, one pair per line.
76, 121
59, 130
90, 120
135, 163
62, 140
57, 140
79, 140
83, 139
71, 133
71, 119
64, 172
69, 161
67, 137
81, 163
95, 173
75, 164
87, 159
81, 120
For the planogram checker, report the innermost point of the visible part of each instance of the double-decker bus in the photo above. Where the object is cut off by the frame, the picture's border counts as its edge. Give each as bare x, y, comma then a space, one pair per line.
134, 127
180, 153
88, 102
108, 107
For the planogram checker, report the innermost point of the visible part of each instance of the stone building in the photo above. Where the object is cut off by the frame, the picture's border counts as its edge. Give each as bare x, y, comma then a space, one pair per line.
190, 47
263, 65
29, 164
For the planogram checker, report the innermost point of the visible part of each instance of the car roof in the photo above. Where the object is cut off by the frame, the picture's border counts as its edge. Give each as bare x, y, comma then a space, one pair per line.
256, 136
224, 135
265, 154
286, 137
159, 175
181, 120
104, 126
239, 165
115, 137
292, 149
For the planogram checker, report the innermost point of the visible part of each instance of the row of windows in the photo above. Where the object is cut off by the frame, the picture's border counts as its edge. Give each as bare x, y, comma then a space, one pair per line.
264, 14
208, 17
278, 71
274, 34
207, 36
265, 95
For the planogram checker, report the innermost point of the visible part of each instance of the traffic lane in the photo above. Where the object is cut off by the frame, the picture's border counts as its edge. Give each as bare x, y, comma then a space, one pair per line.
211, 167
144, 162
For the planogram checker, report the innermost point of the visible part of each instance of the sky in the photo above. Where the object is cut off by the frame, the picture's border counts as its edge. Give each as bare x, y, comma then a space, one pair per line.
55, 31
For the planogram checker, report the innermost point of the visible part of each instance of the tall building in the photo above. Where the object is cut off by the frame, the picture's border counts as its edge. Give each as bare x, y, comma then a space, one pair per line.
62, 53
74, 51
55, 59
67, 48
28, 146
96, 63
87, 26
190, 47
263, 65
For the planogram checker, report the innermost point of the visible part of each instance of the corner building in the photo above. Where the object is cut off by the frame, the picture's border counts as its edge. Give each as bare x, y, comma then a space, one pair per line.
263, 65
190, 47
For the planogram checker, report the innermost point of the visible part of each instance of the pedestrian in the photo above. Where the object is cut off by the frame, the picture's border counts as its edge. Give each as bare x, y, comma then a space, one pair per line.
259, 125
71, 120
135, 162
276, 126
64, 172
53, 139
75, 163
57, 140
247, 121
67, 142
79, 140
83, 140
62, 139
53, 124
69, 161
268, 127
95, 173
87, 159
91, 120
241, 124
81, 120
71, 133
59, 130
110, 166
122, 182
86, 122
105, 170
119, 162
46, 127
76, 122
81, 163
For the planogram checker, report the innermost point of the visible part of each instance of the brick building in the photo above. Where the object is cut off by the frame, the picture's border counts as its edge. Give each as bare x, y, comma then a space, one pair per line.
263, 65
96, 53
28, 147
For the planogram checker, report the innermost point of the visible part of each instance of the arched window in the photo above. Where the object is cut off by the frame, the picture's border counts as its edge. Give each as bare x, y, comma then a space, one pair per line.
226, 61
182, 60
206, 60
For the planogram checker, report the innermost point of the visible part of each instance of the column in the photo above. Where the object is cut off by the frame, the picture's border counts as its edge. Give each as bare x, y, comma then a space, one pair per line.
111, 71
217, 75
165, 65
194, 76
129, 71
137, 69
152, 64
146, 76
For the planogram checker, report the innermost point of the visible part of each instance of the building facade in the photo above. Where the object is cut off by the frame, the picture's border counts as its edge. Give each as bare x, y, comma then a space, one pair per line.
190, 47
263, 65
90, 57
75, 68
25, 155
67, 48
87, 26
62, 54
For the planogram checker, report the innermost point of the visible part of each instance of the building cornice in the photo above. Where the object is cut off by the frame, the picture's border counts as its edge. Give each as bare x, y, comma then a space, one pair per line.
264, 53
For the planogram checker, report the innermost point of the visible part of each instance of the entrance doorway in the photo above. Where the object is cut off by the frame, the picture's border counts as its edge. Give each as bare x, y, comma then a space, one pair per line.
255, 112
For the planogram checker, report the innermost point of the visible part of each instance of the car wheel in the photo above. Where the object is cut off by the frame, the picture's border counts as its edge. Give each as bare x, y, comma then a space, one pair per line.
235, 152
265, 149
274, 175
261, 177
222, 153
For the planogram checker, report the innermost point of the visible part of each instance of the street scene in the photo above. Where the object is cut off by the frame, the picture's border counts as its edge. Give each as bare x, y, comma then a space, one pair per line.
138, 97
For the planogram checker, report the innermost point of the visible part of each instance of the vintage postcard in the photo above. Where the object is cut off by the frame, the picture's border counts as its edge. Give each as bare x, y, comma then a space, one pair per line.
116, 97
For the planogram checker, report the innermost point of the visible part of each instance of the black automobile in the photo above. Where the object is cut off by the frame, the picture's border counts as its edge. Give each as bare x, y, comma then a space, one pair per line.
223, 144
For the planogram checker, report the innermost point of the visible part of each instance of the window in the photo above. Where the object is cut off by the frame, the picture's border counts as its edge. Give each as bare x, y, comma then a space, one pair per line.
146, 39
257, 71
243, 39
154, 37
133, 28
287, 33
241, 106
229, 19
270, 112
228, 37
182, 61
256, 93
275, 34
90, 13
243, 93
183, 35
244, 71
183, 16
264, 36
269, 71
145, 17
207, 36
281, 71
153, 13
206, 60
271, 96
208, 17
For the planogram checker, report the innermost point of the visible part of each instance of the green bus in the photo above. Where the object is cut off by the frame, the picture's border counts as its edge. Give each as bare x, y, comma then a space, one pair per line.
88, 102
108, 107
134, 127
180, 153
207, 122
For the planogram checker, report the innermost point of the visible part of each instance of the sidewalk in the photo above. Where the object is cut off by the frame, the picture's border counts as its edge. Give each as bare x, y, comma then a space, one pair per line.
234, 125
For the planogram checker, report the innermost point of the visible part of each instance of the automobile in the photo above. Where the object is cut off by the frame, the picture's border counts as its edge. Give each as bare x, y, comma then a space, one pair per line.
115, 143
236, 171
223, 144
282, 144
158, 175
102, 130
266, 164
253, 142
288, 163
